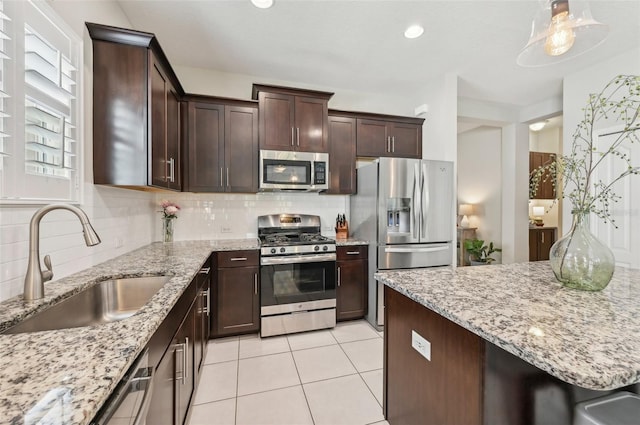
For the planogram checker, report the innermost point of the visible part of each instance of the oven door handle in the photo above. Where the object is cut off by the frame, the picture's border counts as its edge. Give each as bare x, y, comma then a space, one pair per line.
297, 259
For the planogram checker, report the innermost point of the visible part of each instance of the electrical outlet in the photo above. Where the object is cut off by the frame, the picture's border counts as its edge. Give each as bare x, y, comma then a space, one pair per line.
421, 345
225, 229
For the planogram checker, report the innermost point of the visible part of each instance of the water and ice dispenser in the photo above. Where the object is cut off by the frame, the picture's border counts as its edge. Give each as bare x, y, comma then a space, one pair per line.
398, 215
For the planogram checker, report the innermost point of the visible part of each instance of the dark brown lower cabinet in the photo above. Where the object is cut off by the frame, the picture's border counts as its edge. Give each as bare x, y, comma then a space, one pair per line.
444, 390
540, 242
351, 282
235, 293
175, 351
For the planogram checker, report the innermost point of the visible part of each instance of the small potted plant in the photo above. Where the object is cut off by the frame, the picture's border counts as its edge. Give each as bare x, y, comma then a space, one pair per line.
479, 253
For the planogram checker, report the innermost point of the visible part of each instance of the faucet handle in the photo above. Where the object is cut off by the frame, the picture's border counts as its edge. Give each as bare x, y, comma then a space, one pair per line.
47, 274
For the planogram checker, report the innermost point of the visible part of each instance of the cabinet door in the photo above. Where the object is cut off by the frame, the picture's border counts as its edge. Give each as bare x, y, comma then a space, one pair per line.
342, 155
277, 121
545, 189
373, 138
533, 245
184, 365
158, 126
206, 150
241, 149
406, 140
237, 302
311, 124
161, 408
351, 294
546, 240
174, 180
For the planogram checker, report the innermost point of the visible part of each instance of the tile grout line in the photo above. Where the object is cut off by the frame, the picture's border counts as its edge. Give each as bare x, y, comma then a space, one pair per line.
360, 374
301, 385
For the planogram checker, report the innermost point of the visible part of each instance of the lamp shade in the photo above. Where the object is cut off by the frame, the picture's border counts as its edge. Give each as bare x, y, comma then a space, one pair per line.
538, 211
465, 209
561, 30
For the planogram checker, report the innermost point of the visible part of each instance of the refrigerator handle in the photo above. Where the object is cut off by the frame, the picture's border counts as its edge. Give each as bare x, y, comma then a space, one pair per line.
424, 210
416, 201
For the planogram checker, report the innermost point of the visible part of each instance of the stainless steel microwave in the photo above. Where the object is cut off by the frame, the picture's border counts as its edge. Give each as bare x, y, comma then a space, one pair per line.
294, 171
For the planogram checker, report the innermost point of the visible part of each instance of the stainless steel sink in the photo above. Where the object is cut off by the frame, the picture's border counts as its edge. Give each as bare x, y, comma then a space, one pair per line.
105, 302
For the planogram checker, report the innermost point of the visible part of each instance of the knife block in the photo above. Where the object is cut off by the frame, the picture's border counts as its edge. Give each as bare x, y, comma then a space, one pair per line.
342, 231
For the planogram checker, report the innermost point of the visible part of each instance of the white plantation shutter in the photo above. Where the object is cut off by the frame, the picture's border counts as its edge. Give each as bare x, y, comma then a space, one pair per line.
43, 160
5, 39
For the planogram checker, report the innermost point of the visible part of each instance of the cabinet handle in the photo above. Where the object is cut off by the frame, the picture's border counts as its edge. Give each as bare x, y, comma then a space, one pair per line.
171, 170
180, 348
205, 270
542, 235
227, 177
388, 144
186, 359
353, 252
255, 283
208, 305
393, 144
221, 178
339, 276
298, 136
291, 136
205, 309
238, 259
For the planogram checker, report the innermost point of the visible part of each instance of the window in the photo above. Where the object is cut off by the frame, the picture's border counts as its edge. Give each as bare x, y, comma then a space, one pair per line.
40, 103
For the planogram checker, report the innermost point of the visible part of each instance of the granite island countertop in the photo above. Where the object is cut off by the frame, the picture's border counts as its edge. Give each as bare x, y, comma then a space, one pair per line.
64, 376
588, 339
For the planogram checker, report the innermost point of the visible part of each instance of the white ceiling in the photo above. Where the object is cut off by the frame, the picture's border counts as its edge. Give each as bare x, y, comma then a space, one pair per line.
359, 45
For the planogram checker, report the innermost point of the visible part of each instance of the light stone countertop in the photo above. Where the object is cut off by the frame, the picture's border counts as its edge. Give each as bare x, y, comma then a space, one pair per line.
588, 339
350, 242
64, 376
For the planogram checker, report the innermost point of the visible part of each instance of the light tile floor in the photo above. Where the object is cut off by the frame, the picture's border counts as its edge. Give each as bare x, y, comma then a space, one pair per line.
321, 377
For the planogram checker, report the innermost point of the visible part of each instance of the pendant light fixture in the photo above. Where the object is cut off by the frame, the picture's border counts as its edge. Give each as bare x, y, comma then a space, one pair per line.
560, 31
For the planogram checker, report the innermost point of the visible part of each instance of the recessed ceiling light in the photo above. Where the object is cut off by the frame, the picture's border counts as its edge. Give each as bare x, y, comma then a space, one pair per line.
262, 4
414, 31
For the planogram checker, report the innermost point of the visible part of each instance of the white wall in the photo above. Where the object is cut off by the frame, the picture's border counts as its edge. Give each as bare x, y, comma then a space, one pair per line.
480, 180
121, 217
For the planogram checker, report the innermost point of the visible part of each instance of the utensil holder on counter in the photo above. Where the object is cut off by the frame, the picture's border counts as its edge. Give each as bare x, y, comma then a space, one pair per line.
342, 232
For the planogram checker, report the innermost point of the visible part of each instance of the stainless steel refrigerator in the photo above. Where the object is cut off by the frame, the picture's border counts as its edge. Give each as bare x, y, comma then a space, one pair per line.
404, 208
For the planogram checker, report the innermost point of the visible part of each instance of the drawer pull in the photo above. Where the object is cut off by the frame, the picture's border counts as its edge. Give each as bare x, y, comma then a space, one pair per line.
353, 252
205, 270
239, 259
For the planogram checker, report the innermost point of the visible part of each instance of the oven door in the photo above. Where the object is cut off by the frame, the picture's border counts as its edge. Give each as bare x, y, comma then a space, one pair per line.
297, 280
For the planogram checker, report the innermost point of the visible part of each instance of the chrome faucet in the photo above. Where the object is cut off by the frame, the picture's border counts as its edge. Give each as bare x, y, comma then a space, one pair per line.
35, 278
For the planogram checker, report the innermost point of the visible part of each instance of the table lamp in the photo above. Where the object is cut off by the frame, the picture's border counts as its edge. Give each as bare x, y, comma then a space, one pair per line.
538, 212
464, 210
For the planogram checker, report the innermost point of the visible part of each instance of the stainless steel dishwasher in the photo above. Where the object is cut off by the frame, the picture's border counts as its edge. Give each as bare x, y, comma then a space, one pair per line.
129, 403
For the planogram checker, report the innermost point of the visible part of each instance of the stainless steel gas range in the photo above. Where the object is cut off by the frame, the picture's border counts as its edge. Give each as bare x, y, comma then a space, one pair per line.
297, 275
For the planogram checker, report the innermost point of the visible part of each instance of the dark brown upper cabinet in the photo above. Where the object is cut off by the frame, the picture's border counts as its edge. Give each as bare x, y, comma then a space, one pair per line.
136, 111
293, 119
384, 135
546, 185
342, 154
222, 148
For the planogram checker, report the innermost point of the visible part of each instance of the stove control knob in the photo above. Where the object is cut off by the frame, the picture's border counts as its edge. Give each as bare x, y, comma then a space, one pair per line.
282, 250
273, 250
316, 248
325, 248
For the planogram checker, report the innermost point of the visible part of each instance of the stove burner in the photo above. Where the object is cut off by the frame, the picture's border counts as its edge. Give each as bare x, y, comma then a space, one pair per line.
276, 239
313, 237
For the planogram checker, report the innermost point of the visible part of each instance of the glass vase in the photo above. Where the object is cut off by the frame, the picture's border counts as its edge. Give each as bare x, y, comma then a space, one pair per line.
167, 229
579, 260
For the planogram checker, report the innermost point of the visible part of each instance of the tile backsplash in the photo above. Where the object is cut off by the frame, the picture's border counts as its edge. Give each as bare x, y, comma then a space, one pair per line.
127, 219
231, 216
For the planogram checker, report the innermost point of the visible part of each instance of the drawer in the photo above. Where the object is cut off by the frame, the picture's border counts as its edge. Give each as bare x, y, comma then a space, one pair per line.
352, 252
238, 258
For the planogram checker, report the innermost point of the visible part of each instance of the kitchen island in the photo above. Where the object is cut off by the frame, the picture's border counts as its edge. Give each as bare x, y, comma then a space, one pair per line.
508, 344
64, 376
